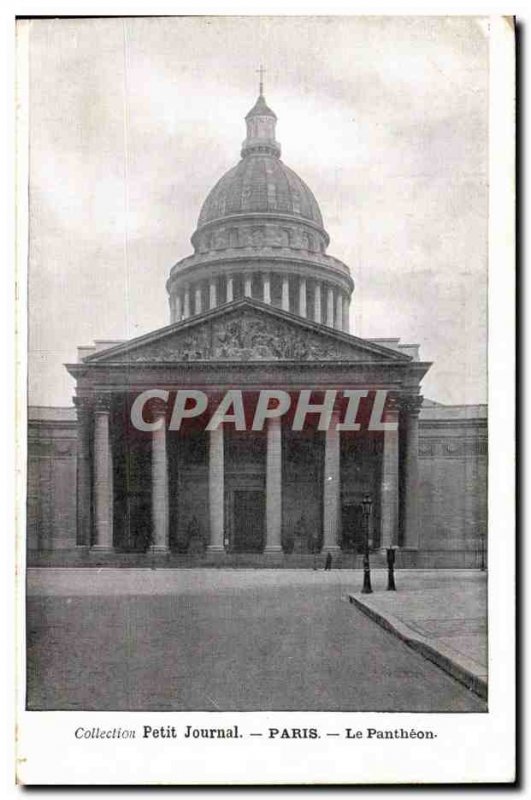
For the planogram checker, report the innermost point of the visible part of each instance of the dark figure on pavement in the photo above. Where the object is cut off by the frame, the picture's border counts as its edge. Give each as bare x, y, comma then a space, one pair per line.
328, 562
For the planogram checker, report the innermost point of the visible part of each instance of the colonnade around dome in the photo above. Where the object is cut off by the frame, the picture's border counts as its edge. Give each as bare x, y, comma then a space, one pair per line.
318, 301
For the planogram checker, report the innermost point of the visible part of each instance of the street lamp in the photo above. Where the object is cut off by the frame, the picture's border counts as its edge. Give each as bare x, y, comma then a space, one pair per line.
366, 505
391, 553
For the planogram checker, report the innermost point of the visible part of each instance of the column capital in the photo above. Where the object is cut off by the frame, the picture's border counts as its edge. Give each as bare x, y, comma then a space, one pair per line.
411, 403
103, 403
84, 405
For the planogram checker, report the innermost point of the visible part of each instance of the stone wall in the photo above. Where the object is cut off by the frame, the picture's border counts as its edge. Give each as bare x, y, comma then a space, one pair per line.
51, 498
453, 462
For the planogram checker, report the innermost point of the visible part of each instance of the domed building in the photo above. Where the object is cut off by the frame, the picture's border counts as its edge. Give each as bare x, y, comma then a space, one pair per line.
255, 428
260, 234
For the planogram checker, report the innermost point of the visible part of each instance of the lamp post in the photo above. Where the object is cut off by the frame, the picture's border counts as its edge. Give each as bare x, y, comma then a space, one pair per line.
366, 505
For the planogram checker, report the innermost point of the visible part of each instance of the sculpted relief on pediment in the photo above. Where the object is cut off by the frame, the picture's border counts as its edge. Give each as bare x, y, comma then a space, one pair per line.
246, 337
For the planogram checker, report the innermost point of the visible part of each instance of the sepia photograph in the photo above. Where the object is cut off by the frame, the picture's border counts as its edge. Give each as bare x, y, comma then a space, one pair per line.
257, 377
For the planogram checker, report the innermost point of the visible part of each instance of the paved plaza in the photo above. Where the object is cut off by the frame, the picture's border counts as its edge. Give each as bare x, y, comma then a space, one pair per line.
174, 640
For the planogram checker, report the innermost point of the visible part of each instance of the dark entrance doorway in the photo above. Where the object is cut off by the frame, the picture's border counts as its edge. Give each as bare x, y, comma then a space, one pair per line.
248, 521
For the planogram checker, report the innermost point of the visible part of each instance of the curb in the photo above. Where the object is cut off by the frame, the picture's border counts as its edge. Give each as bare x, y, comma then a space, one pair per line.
461, 672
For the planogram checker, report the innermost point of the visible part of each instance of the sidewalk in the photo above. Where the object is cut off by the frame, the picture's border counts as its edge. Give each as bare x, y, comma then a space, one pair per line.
442, 614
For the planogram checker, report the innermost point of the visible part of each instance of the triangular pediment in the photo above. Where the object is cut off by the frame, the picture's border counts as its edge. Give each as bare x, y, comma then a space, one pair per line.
246, 330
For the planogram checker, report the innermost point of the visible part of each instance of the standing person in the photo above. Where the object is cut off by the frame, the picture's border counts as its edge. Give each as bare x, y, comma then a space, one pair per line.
328, 562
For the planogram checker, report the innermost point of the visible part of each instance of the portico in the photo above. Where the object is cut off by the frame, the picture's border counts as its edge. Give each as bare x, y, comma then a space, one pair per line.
272, 491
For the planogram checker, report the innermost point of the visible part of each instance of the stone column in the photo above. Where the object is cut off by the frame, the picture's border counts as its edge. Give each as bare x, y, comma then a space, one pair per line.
317, 303
178, 308
198, 299
330, 307
274, 487
212, 294
84, 499
389, 486
411, 407
339, 312
285, 293
332, 487
103, 484
302, 297
216, 492
267, 289
186, 309
160, 513
248, 286
346, 315
230, 289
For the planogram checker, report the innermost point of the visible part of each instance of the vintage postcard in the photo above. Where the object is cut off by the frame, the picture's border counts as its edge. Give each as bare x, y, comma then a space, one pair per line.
266, 528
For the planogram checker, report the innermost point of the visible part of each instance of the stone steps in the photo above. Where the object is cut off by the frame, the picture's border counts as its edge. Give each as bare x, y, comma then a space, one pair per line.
83, 557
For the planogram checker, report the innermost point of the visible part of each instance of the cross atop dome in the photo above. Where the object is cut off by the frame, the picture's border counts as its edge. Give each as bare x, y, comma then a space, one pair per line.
261, 71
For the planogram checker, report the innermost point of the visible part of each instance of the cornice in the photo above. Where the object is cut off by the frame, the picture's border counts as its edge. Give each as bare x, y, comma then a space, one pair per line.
267, 260
260, 216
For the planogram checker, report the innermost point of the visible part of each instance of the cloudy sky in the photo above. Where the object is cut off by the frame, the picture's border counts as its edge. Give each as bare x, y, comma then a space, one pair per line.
132, 121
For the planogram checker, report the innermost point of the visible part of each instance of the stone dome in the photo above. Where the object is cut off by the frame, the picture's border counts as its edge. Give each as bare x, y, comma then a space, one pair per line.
261, 182
260, 234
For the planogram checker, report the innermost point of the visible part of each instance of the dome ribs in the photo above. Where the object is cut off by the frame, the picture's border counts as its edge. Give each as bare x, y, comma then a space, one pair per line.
260, 182
234, 191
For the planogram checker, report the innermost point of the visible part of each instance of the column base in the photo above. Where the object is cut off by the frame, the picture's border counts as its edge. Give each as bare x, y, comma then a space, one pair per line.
159, 548
215, 548
272, 548
102, 548
333, 548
